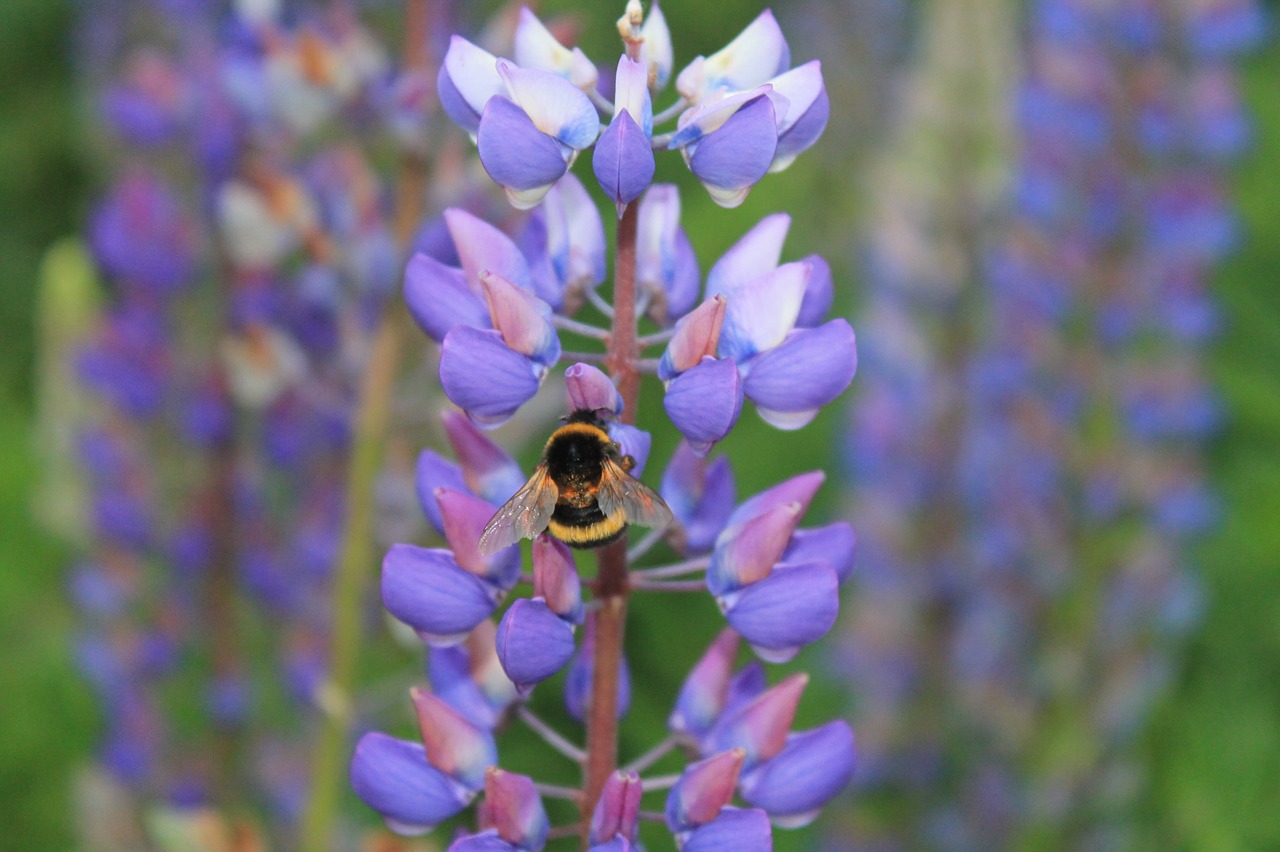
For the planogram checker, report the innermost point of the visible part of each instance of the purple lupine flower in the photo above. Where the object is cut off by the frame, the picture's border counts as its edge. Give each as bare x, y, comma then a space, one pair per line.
617, 814
623, 158
469, 677
394, 777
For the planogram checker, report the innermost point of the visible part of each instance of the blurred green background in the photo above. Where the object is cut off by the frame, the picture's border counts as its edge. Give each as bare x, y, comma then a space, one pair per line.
1214, 744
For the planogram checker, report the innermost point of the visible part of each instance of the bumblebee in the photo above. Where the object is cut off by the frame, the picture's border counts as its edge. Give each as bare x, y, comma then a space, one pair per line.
581, 492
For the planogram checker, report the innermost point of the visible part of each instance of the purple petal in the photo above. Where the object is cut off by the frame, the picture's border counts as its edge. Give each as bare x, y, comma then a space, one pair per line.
703, 696
705, 402
792, 607
392, 776
575, 234
488, 471
757, 252
577, 686
818, 293
812, 768
633, 442
483, 248
589, 389
485, 377
485, 841
617, 844
734, 830
438, 298
555, 578
429, 592
834, 544
449, 673
554, 105
810, 369
623, 160
533, 642
433, 472
471, 75
454, 745
516, 154
700, 495
808, 108
730, 160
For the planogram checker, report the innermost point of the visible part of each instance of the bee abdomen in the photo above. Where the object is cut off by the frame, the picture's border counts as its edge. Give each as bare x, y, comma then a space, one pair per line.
585, 526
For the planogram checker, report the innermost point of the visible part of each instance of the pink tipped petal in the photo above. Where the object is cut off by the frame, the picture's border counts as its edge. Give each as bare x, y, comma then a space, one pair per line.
473, 74
697, 336
392, 776
554, 105
633, 442
792, 607
555, 578
536, 47
438, 298
761, 313
623, 161
454, 745
591, 390
705, 692
488, 471
810, 770
513, 808
757, 252
485, 377
703, 790
519, 157
806, 372
747, 552
799, 489
522, 319
427, 590
483, 248
434, 471
757, 53
618, 811
734, 830
704, 402
834, 544
465, 516
734, 158
533, 642
818, 293
760, 726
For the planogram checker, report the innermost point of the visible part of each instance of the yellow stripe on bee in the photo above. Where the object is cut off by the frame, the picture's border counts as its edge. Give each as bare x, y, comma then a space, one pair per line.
588, 534
584, 429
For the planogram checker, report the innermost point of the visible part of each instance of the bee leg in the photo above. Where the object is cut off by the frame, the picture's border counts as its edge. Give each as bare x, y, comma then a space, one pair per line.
628, 462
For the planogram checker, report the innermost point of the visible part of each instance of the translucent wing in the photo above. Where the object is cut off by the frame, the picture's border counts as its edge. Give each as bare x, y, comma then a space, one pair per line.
620, 491
525, 515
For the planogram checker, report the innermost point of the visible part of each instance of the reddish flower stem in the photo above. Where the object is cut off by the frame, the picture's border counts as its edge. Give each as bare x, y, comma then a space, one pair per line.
611, 579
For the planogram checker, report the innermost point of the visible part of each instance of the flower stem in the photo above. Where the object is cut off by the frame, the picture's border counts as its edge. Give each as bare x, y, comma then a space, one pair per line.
611, 577
356, 557
551, 736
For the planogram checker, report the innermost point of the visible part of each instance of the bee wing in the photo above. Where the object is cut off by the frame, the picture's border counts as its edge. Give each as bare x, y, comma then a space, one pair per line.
620, 491
525, 515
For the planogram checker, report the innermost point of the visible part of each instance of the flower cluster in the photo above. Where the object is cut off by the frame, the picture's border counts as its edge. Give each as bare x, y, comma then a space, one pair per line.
741, 112
1029, 456
498, 305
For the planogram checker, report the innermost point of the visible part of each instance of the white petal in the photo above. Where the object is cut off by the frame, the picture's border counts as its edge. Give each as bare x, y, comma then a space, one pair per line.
537, 48
555, 105
474, 72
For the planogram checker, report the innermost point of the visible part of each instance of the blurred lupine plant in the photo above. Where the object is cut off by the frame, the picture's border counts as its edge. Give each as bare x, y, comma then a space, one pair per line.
248, 246
1029, 453
497, 305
